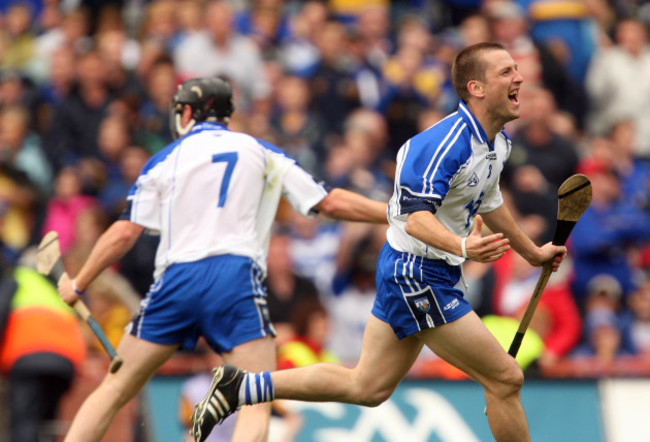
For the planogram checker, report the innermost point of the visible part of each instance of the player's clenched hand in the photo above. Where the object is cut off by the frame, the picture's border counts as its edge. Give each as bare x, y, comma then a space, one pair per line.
485, 248
67, 292
550, 252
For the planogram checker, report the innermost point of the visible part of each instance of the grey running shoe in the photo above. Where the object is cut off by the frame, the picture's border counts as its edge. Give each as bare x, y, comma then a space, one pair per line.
221, 400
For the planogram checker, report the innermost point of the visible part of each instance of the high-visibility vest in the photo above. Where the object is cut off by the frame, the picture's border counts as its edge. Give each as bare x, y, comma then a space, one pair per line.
298, 354
39, 322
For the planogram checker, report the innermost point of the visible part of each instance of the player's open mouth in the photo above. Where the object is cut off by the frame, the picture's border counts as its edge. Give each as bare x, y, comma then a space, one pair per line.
514, 96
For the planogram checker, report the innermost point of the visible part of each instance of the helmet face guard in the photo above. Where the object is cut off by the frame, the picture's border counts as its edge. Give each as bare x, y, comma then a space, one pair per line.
209, 98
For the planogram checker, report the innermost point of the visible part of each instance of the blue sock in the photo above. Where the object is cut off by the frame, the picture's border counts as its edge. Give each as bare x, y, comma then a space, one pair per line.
256, 388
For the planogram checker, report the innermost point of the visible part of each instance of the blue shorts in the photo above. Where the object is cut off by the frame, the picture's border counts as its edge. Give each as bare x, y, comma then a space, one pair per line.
416, 293
222, 298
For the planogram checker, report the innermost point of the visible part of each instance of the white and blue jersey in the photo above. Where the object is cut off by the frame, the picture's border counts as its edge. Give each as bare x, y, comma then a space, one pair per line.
216, 192
452, 171
212, 197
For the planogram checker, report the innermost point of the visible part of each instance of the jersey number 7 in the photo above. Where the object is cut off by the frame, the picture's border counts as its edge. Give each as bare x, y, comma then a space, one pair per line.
230, 158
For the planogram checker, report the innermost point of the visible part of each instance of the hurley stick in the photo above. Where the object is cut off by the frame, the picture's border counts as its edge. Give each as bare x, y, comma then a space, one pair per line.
50, 264
574, 196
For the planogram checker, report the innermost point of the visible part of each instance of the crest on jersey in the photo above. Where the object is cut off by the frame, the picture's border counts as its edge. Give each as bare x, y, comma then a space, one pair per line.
473, 180
422, 304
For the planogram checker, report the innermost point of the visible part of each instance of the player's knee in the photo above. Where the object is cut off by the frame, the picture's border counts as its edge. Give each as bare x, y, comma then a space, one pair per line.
374, 397
509, 381
116, 392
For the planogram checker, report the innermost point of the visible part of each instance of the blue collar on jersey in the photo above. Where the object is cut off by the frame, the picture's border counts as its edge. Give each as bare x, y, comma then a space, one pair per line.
207, 125
472, 123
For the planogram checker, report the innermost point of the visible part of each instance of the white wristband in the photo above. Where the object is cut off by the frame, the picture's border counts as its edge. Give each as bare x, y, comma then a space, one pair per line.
463, 248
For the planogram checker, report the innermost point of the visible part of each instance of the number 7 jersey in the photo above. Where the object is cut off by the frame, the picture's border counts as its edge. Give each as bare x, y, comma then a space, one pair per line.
215, 192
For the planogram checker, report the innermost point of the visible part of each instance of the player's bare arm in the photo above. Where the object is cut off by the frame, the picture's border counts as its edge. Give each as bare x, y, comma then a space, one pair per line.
424, 226
111, 246
501, 220
350, 206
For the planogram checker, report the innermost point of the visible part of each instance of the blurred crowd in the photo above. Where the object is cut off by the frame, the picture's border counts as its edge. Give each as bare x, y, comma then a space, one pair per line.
85, 89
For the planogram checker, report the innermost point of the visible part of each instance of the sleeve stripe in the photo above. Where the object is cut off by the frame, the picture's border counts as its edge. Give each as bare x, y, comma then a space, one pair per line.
429, 180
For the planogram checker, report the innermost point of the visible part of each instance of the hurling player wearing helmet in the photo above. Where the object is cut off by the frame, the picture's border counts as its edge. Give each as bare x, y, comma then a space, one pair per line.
212, 196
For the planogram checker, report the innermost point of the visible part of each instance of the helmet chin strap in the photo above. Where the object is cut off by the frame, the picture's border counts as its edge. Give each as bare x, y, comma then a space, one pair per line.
182, 131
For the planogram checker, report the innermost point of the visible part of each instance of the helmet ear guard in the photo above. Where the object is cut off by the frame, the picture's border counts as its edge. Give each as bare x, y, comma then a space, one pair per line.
177, 128
209, 98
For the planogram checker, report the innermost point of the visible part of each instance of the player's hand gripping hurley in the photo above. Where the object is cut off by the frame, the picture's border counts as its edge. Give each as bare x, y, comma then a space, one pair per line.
50, 264
574, 196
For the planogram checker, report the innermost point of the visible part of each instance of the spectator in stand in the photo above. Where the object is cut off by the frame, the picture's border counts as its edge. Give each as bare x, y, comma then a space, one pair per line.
359, 162
19, 199
72, 34
285, 289
612, 226
21, 147
314, 246
510, 26
160, 83
265, 22
160, 24
638, 318
65, 206
53, 90
129, 163
569, 29
121, 55
373, 25
333, 86
353, 289
311, 324
410, 87
605, 333
220, 50
14, 89
634, 171
299, 53
299, 130
474, 29
112, 139
75, 123
618, 86
16, 39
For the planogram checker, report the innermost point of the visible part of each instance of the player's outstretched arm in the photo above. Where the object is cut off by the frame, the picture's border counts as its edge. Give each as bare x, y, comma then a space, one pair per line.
344, 204
501, 220
110, 247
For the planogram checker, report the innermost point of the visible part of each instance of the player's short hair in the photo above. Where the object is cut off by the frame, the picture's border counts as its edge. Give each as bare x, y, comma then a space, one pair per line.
470, 64
210, 99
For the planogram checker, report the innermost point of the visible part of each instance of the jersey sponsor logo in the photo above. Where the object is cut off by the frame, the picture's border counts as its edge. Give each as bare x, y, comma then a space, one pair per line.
492, 156
422, 304
473, 180
452, 305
